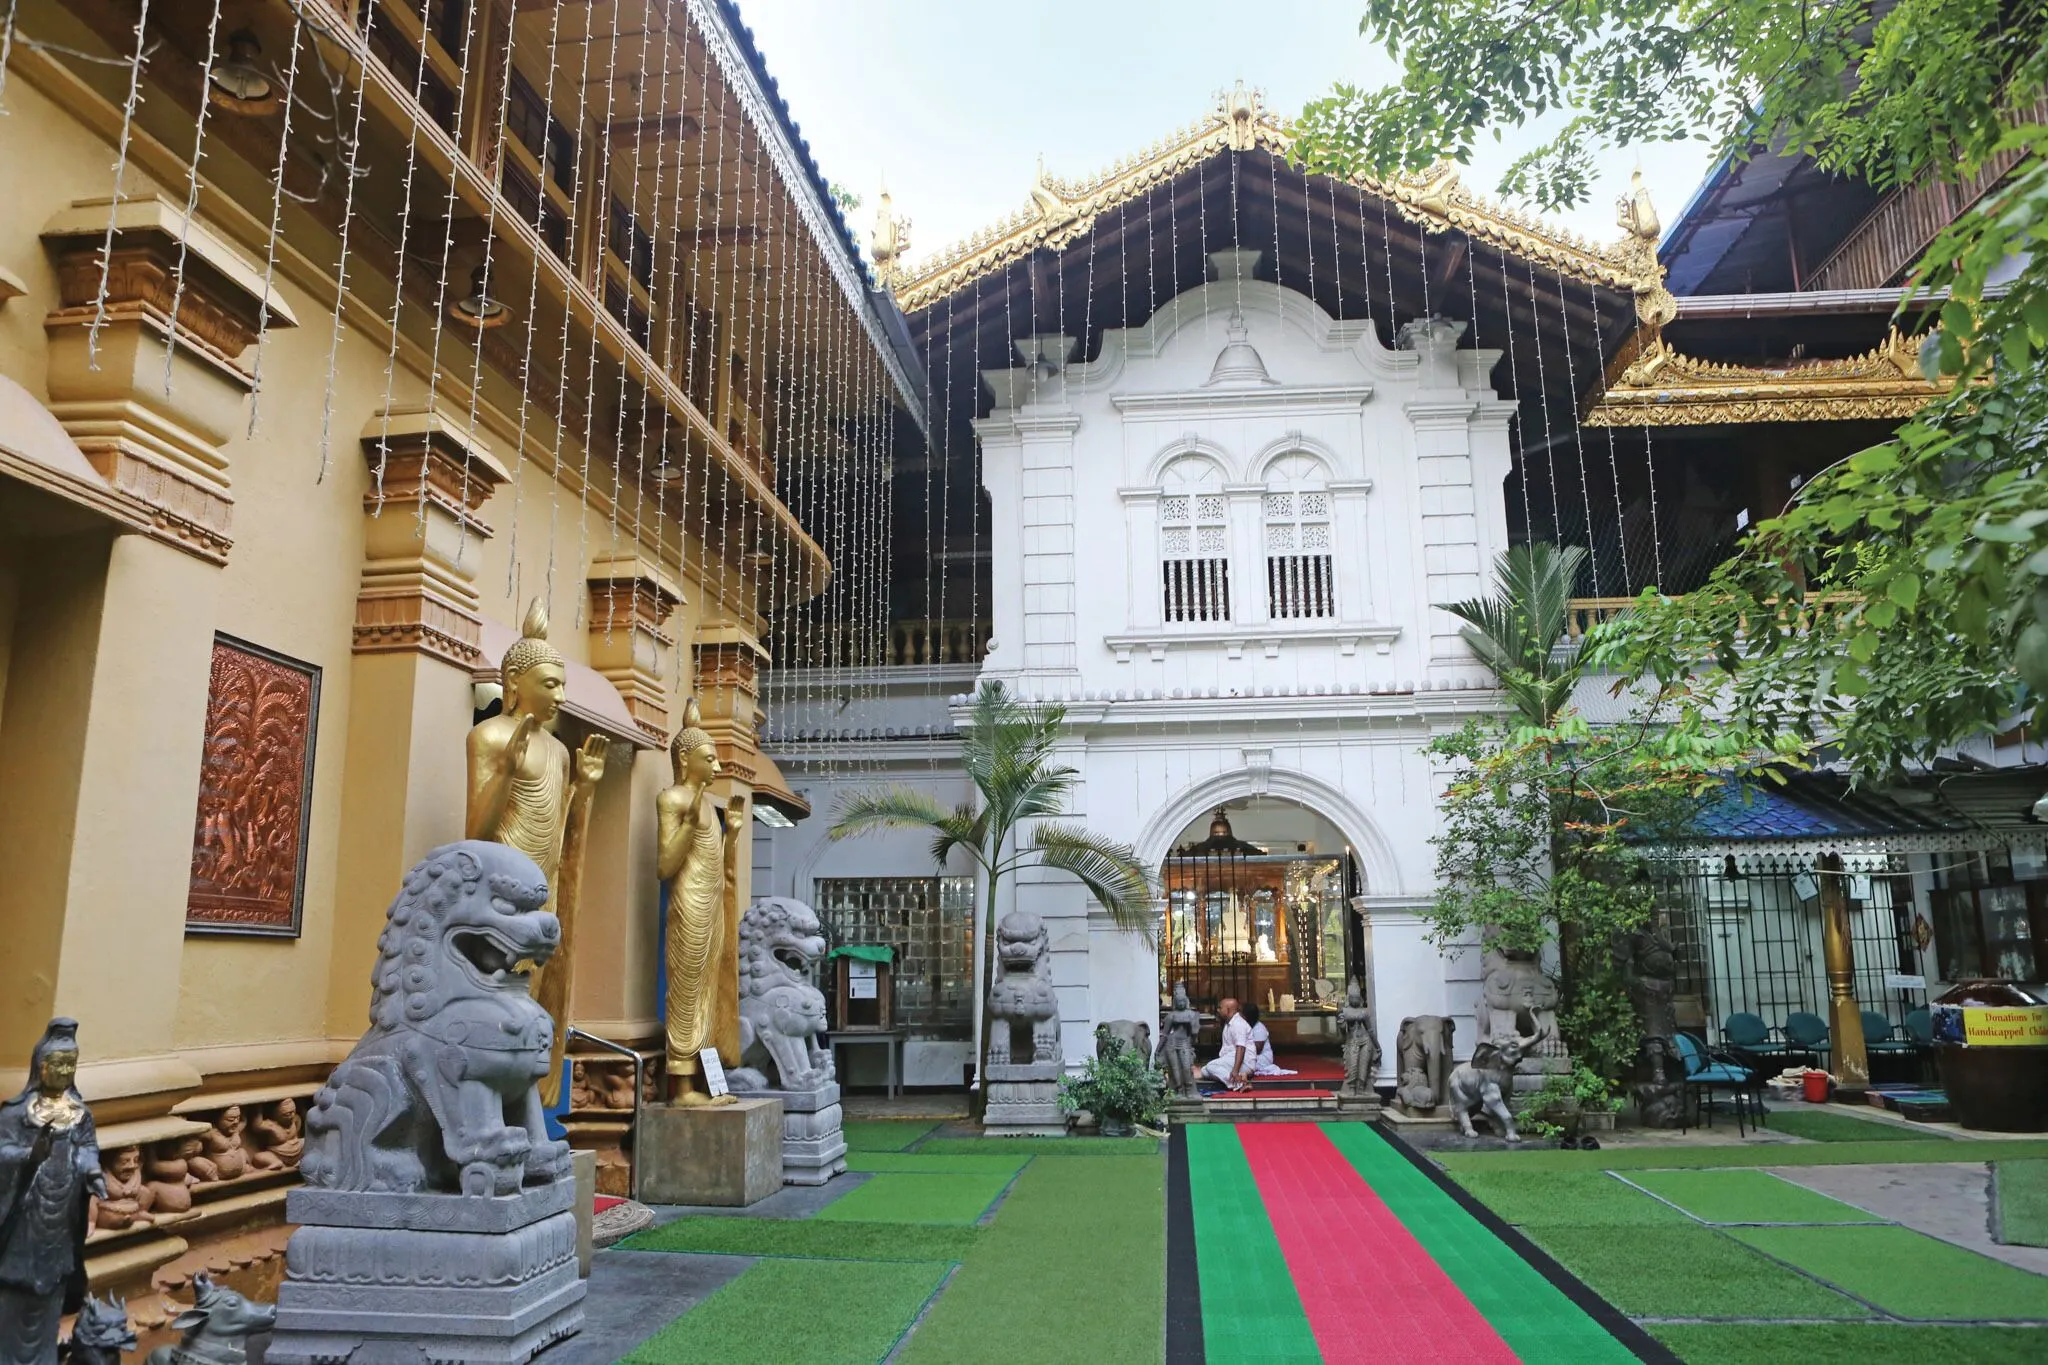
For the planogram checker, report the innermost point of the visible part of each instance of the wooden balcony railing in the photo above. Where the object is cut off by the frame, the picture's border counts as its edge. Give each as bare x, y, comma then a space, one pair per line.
1584, 613
934, 642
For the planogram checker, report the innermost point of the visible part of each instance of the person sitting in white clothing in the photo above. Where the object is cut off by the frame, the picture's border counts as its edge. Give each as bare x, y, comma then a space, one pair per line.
1263, 1062
1232, 1066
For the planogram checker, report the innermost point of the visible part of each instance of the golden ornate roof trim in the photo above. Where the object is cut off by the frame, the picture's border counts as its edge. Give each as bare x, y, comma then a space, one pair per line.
1662, 387
1061, 211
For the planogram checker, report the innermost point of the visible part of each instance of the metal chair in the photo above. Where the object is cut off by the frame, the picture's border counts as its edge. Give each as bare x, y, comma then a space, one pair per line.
1808, 1033
1755, 1043
1706, 1072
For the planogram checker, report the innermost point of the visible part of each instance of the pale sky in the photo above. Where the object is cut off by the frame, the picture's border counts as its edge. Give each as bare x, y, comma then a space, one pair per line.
951, 102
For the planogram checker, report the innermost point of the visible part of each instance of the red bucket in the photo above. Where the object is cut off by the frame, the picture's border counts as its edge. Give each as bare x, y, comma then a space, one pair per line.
1816, 1087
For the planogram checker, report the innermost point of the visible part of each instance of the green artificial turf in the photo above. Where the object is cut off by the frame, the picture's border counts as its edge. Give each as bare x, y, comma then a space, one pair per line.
1533, 1316
2022, 1202
1072, 1270
848, 1313
1250, 1310
1057, 1146
1746, 1197
883, 1135
1005, 1166
812, 1238
1819, 1125
1908, 1273
1688, 1272
1663, 1157
1568, 1199
1877, 1343
918, 1197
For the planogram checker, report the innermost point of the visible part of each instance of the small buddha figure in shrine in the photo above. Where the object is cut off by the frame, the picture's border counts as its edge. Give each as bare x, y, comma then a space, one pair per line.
222, 1156
128, 1200
697, 858
526, 790
277, 1140
581, 1096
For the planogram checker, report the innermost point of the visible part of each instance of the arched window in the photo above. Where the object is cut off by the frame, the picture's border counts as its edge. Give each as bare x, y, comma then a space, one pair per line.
1194, 543
1301, 581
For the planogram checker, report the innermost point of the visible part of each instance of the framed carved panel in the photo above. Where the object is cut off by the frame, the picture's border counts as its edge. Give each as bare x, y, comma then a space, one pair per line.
255, 793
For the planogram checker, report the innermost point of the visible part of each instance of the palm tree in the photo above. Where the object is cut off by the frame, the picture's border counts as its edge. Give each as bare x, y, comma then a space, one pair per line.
1006, 747
1515, 631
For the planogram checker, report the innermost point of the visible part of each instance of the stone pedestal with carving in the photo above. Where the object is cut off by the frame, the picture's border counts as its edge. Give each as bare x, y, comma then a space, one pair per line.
452, 1279
1023, 1100
728, 1155
813, 1137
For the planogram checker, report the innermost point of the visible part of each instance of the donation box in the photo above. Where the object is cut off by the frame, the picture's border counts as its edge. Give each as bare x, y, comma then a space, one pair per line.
864, 1002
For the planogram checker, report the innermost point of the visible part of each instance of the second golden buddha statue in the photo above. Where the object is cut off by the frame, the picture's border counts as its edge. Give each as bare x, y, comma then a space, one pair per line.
698, 859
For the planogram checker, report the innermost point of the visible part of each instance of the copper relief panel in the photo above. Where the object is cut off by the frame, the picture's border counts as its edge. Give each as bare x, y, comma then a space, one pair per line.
255, 792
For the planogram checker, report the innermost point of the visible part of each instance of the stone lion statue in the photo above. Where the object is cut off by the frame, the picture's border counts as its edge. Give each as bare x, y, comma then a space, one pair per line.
1022, 994
782, 1015
1481, 1085
439, 1095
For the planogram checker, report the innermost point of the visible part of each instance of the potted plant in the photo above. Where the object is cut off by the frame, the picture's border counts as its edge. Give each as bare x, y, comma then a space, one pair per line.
1569, 1103
1118, 1086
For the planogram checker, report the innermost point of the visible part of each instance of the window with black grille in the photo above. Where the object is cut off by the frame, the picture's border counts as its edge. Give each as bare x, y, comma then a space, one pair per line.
1301, 582
1194, 557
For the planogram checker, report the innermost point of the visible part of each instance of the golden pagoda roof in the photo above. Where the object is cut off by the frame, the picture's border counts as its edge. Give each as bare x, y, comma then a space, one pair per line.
1664, 387
1061, 211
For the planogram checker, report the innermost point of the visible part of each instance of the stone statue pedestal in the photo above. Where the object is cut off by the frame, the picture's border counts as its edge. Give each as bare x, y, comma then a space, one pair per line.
813, 1140
1404, 1119
729, 1155
1363, 1108
1023, 1100
393, 1279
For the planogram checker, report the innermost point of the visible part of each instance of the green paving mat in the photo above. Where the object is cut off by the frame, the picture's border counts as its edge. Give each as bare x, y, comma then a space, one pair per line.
858, 1310
1747, 1197
1537, 1199
813, 1238
1688, 1272
916, 1198
1819, 1125
1072, 1270
2022, 1202
1539, 1324
1852, 1344
1907, 1273
1005, 1166
1057, 1146
1745, 1154
883, 1135
1250, 1311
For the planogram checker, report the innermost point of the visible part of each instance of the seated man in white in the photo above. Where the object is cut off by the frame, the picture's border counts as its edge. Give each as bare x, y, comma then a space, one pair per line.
1232, 1066
1263, 1063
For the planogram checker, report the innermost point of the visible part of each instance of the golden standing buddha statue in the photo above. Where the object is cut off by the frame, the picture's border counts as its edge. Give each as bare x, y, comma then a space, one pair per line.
525, 791
698, 860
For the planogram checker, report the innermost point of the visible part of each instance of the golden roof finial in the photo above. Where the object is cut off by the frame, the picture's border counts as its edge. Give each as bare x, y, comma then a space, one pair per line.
1635, 212
888, 241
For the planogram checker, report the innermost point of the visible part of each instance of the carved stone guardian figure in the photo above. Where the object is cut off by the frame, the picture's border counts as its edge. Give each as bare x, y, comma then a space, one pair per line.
1177, 1043
49, 1174
1022, 995
1652, 965
782, 1036
1361, 1044
1422, 1059
697, 858
1518, 1000
526, 790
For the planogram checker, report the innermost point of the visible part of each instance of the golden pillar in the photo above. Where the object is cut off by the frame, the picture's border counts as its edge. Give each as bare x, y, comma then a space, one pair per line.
1845, 1016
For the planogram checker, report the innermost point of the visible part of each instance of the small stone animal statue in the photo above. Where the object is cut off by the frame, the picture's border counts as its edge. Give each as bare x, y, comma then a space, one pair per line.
1022, 994
101, 1333
1422, 1055
217, 1327
439, 1095
1177, 1043
782, 1015
1134, 1034
1482, 1085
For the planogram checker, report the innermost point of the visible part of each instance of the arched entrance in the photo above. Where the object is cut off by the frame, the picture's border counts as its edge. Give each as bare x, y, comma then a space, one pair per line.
1258, 907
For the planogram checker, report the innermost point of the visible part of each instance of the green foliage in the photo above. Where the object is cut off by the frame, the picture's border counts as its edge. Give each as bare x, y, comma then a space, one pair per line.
847, 200
1117, 1083
1934, 626
1515, 632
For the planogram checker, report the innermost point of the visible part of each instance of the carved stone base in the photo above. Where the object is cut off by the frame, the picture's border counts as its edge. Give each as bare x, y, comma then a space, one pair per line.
392, 1279
1362, 1108
1405, 1119
813, 1140
728, 1155
1024, 1107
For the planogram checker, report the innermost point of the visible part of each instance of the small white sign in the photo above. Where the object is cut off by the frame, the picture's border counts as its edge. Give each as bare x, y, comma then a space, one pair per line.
860, 981
1899, 981
714, 1071
1859, 887
1805, 887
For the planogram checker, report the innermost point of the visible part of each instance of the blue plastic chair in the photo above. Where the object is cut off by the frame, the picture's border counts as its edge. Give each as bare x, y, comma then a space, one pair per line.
1705, 1073
1754, 1044
1809, 1033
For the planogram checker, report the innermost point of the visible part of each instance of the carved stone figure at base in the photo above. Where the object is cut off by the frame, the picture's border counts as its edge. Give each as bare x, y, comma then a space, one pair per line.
1482, 1084
1519, 1000
1422, 1055
1134, 1034
168, 1169
1022, 995
782, 1015
581, 1096
1361, 1043
439, 1094
221, 1155
1177, 1043
217, 1327
275, 1140
49, 1174
1652, 968
101, 1333
128, 1199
